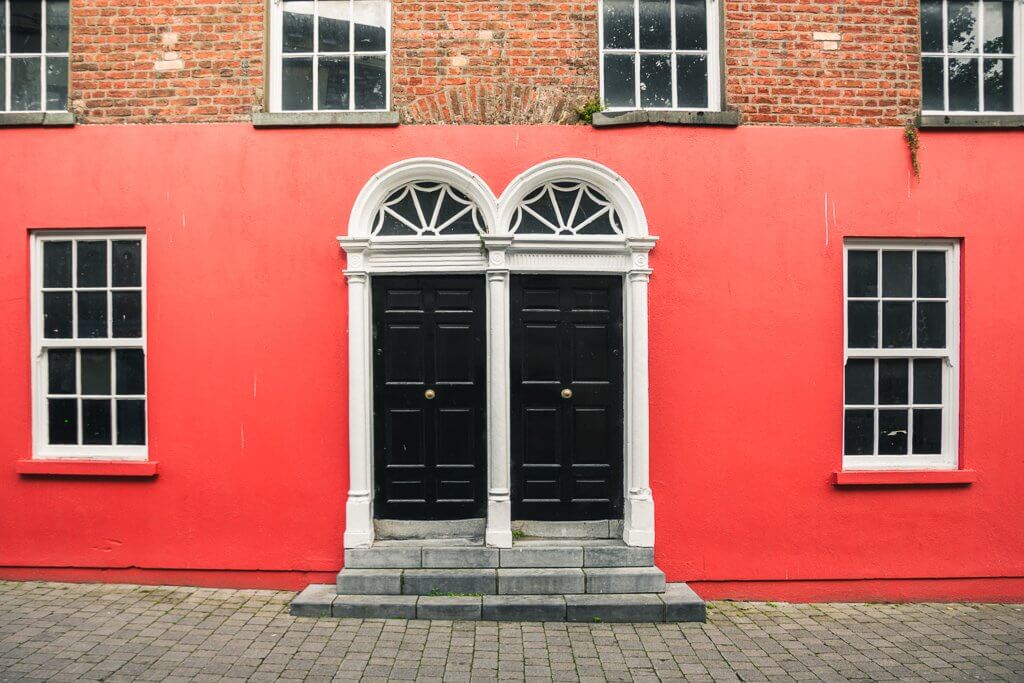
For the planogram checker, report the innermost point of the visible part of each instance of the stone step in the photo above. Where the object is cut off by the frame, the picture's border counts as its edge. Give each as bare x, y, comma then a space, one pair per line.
677, 604
532, 553
500, 581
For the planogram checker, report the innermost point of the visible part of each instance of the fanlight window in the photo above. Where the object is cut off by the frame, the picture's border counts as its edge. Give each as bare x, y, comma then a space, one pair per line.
566, 208
425, 208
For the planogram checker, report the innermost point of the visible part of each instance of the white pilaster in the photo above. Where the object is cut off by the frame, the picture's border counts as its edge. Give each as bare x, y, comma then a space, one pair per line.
638, 527
359, 506
499, 499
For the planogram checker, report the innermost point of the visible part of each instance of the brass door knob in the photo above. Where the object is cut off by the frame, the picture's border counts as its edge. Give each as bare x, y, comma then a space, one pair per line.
429, 393
566, 393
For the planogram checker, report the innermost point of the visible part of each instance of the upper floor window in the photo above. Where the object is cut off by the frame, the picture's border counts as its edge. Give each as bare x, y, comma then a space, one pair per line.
89, 344
33, 55
330, 55
660, 54
970, 58
902, 364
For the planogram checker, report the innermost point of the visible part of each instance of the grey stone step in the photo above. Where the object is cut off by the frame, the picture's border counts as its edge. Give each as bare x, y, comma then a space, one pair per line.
678, 603
532, 553
625, 580
548, 581
444, 581
369, 582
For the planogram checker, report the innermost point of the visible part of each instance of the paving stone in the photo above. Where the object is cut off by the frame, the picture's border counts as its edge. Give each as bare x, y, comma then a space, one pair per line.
549, 581
523, 608
374, 607
314, 601
614, 608
542, 556
427, 581
369, 582
617, 556
445, 607
625, 580
382, 558
458, 558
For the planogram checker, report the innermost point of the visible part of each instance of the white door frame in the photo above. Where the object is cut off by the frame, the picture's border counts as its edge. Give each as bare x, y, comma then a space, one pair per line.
497, 254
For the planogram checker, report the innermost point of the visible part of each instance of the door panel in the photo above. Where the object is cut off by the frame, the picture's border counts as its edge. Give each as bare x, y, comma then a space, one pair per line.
566, 334
430, 454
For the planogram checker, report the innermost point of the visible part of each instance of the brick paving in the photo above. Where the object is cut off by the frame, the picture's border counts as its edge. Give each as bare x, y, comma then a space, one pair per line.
57, 631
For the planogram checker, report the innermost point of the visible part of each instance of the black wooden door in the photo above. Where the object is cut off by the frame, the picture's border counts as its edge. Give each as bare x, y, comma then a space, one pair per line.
430, 447
566, 375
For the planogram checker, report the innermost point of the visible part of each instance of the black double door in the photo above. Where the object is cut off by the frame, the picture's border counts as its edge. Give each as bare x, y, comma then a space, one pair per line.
429, 369
567, 402
429, 399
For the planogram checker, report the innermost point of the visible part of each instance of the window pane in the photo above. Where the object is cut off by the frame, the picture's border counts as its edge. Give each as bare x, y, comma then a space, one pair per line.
692, 81
56, 25
931, 25
893, 378
897, 271
60, 371
371, 83
896, 324
127, 314
126, 263
131, 372
333, 83
92, 264
931, 325
691, 25
334, 26
998, 85
892, 432
933, 81
63, 427
862, 319
619, 81
371, 19
57, 315
297, 84
618, 24
858, 432
25, 84
656, 80
860, 381
56, 264
131, 423
928, 380
862, 273
297, 27
655, 24
26, 26
92, 315
999, 27
963, 26
96, 421
96, 371
928, 431
931, 274
963, 85
56, 83
3, 76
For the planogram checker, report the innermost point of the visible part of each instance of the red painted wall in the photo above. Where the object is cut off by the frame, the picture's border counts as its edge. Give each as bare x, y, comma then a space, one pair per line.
247, 344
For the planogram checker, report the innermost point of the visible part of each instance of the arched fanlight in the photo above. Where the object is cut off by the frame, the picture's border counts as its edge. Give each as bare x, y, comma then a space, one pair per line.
427, 208
566, 207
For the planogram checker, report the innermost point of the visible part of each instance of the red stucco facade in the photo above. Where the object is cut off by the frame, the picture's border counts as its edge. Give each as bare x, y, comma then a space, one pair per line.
247, 348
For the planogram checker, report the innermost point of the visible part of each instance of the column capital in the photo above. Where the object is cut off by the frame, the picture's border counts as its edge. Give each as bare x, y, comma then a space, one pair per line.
355, 277
496, 246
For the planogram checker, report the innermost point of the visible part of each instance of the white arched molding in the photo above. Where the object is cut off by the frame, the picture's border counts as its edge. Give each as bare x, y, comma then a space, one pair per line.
497, 254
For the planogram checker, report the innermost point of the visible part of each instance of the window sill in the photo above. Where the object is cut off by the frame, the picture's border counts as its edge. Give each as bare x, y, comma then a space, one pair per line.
86, 468
321, 119
640, 117
970, 121
37, 118
904, 477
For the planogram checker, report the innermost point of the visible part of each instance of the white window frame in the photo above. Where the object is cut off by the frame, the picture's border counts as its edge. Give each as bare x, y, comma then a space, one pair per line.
949, 458
42, 450
274, 86
1017, 57
714, 58
6, 57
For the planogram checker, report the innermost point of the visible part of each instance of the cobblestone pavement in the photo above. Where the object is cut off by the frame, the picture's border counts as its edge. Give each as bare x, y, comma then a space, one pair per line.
57, 631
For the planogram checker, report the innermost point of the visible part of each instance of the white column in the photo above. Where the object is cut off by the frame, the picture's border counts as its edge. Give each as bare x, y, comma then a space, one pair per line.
359, 506
499, 499
639, 509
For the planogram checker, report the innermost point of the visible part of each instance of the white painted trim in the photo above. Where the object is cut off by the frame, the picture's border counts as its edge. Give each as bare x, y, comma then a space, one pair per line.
497, 255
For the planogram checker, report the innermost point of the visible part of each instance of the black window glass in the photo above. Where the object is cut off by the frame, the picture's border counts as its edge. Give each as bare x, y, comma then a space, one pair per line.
862, 273
963, 85
858, 432
131, 372
56, 264
892, 432
618, 24
26, 26
297, 84
127, 314
928, 431
126, 263
862, 320
297, 27
96, 421
57, 315
656, 81
962, 26
333, 32
933, 83
998, 85
56, 25
931, 274
893, 378
998, 38
63, 421
92, 315
897, 269
332, 83
931, 25
371, 82
691, 25
928, 381
131, 422
655, 24
60, 371
692, 81
860, 381
56, 83
26, 84
370, 27
619, 81
92, 264
897, 322
931, 324
96, 371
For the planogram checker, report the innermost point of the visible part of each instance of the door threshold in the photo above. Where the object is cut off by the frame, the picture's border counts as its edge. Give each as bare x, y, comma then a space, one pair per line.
594, 528
446, 532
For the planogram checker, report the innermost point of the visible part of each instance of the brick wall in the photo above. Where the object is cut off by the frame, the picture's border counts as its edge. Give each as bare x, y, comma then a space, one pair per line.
847, 62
